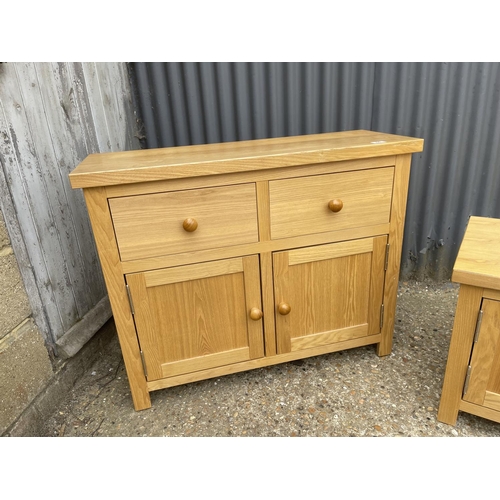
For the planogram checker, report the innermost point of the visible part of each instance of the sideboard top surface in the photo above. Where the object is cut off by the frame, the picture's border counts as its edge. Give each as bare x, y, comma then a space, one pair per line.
478, 260
106, 169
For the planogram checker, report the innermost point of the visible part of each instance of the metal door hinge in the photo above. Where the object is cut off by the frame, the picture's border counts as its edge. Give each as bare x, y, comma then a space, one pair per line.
478, 325
467, 378
144, 365
130, 299
386, 265
381, 316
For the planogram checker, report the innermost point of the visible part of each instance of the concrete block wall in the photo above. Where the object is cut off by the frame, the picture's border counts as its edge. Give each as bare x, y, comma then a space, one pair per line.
25, 366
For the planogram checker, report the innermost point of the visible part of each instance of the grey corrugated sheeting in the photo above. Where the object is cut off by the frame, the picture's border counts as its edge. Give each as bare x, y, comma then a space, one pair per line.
198, 103
453, 106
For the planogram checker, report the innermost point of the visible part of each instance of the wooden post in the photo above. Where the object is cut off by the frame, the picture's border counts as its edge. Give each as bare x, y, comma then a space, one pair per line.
469, 302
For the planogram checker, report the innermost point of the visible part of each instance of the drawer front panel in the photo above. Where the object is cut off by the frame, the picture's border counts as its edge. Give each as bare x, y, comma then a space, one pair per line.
184, 221
300, 206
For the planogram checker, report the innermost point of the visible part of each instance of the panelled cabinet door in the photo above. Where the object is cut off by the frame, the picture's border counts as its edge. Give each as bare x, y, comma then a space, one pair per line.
483, 387
198, 316
329, 293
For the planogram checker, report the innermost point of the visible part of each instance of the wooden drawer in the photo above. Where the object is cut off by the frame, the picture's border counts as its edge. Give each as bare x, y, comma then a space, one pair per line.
300, 206
223, 298
152, 225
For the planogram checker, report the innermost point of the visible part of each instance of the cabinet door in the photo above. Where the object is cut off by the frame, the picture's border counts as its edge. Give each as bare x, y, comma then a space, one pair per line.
328, 293
197, 317
483, 387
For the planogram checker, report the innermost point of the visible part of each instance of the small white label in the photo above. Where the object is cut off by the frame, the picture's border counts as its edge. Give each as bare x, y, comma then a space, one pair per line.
377, 142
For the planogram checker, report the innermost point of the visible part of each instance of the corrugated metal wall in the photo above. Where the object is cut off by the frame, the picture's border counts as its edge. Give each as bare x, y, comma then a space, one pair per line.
198, 103
453, 106
52, 115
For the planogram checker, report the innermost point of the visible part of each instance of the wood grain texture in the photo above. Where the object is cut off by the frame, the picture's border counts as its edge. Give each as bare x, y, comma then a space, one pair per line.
266, 279
493, 385
476, 266
478, 259
480, 411
111, 102
193, 272
145, 325
215, 159
396, 230
326, 295
119, 190
71, 342
70, 144
187, 320
469, 302
251, 274
110, 261
492, 400
47, 129
152, 225
301, 205
282, 323
485, 373
377, 282
27, 181
261, 362
23, 260
205, 362
203, 311
333, 251
249, 249
325, 338
201, 319
491, 294
263, 210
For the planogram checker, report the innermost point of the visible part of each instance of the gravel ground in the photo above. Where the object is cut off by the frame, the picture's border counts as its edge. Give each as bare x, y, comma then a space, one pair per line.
349, 393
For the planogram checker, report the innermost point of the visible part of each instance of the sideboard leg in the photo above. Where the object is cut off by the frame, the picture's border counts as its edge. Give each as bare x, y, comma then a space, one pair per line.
469, 302
396, 229
102, 225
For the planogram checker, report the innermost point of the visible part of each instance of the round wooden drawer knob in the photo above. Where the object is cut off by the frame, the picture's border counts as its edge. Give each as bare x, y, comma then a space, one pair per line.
335, 205
190, 225
255, 313
284, 308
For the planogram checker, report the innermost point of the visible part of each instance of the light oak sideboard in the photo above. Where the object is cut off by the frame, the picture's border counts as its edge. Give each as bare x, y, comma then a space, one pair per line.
227, 257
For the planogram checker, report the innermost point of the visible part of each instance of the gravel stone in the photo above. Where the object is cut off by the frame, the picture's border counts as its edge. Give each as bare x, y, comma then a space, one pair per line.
347, 393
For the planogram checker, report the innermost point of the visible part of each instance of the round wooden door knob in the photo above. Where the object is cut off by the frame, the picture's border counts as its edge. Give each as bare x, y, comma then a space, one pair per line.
335, 205
284, 308
190, 225
255, 313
